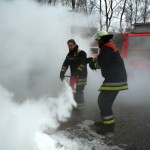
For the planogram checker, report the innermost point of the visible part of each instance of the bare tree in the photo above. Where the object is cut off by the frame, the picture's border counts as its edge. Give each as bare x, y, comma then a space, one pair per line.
100, 12
86, 6
110, 6
145, 11
121, 16
50, 2
134, 11
108, 13
129, 13
73, 2
137, 11
92, 6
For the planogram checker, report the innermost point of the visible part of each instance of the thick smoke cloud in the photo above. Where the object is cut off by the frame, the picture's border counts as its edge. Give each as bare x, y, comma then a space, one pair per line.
33, 45
138, 70
21, 124
32, 48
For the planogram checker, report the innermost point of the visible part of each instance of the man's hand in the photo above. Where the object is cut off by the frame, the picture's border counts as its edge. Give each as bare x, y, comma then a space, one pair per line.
93, 66
89, 60
62, 76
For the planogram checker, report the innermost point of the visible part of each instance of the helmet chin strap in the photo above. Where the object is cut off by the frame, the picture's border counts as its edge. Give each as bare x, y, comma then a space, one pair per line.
100, 42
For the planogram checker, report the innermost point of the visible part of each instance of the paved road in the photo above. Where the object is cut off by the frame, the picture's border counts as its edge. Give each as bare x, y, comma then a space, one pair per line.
132, 128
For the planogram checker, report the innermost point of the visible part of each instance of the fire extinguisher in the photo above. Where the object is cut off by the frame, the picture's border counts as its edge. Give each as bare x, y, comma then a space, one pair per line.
73, 83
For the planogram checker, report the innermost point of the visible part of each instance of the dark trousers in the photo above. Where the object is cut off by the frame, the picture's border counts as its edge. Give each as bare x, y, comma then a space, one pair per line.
105, 102
79, 96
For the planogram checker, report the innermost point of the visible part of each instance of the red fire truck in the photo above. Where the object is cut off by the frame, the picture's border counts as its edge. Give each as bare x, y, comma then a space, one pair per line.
136, 45
133, 44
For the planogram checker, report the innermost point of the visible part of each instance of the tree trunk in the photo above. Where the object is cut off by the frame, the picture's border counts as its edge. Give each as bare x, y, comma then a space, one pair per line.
123, 10
73, 4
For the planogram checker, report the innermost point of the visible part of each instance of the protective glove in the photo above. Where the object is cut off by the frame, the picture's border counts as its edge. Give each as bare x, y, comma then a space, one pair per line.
89, 60
93, 66
62, 76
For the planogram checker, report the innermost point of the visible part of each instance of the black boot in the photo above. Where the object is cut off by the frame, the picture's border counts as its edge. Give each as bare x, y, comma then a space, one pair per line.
98, 123
106, 128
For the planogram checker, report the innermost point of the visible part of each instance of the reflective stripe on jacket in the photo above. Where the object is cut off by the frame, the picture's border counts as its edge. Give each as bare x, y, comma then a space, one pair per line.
82, 81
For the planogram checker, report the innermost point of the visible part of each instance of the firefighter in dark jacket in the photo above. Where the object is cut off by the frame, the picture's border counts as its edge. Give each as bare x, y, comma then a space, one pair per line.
76, 59
115, 79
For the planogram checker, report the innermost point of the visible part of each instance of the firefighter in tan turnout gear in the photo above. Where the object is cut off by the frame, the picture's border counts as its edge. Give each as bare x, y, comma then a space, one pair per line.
115, 79
76, 60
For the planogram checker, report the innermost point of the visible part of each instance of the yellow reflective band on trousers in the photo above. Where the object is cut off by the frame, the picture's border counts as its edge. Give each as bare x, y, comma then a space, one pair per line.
82, 66
113, 88
109, 121
82, 82
79, 68
63, 70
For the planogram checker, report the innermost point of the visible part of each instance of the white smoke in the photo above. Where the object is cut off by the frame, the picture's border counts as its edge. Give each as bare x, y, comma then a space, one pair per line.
20, 123
138, 71
32, 48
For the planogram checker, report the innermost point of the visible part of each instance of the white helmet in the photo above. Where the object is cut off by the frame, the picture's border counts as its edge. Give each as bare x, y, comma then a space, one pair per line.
99, 34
